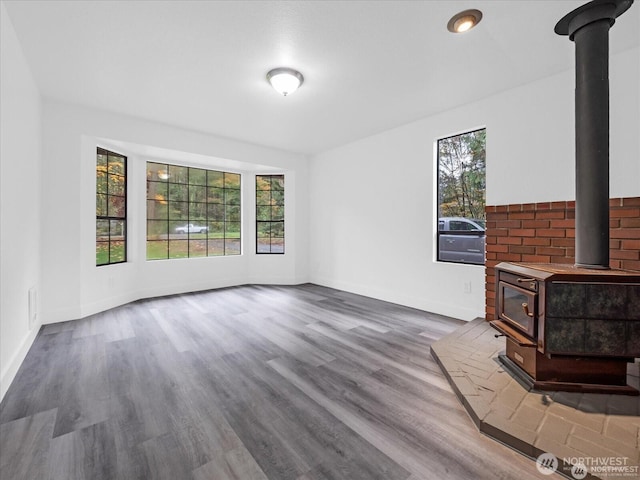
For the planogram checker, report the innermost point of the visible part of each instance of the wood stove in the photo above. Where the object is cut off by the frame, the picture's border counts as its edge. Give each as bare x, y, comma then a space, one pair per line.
576, 327
569, 328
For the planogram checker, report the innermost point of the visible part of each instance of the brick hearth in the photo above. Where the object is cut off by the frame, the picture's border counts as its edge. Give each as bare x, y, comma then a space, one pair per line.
568, 425
545, 233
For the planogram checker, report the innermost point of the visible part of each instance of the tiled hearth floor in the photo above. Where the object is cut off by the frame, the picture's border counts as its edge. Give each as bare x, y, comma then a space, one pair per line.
568, 425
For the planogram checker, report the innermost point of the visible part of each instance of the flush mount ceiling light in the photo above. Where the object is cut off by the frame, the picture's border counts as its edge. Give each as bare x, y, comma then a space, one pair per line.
285, 80
464, 21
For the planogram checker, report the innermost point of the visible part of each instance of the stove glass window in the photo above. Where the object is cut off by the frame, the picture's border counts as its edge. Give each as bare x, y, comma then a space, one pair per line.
518, 307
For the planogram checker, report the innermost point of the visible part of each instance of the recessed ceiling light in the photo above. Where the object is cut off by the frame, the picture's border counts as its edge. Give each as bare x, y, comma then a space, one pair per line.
464, 21
285, 80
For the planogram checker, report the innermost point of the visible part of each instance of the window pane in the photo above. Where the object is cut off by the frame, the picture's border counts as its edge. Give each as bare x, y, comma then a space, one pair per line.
216, 247
197, 248
101, 160
157, 229
264, 229
178, 174
116, 164
102, 229
263, 197
263, 245
178, 192
215, 195
197, 193
232, 180
178, 229
232, 213
116, 230
198, 213
216, 230
117, 253
102, 253
277, 229
232, 247
263, 213
232, 197
232, 229
116, 207
277, 182
157, 191
157, 172
101, 180
263, 182
277, 245
215, 179
277, 213
197, 176
277, 197
157, 210
157, 250
101, 205
215, 212
116, 185
178, 248
179, 211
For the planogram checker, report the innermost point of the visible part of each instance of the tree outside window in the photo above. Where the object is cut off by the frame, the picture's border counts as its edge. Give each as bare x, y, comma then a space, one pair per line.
111, 207
269, 214
461, 197
192, 212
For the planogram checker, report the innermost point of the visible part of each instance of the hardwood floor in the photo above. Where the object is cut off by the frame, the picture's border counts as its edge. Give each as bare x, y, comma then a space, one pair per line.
253, 382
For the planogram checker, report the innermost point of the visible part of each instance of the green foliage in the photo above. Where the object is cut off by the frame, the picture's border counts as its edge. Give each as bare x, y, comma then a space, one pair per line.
110, 207
462, 175
270, 213
177, 196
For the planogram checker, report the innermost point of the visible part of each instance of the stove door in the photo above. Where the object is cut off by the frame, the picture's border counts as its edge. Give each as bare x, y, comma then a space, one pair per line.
518, 307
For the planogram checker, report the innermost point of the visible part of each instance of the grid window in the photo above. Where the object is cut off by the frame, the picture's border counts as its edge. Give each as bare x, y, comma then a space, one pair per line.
192, 212
111, 207
269, 213
461, 198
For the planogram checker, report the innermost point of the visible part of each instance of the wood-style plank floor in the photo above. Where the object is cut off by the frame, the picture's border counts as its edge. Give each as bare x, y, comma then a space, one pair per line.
253, 382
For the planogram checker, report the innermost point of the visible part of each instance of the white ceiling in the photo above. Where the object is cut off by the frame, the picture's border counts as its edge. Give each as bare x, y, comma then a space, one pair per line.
368, 65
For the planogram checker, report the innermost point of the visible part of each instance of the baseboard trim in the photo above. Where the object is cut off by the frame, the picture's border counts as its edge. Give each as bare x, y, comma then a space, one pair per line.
11, 370
448, 310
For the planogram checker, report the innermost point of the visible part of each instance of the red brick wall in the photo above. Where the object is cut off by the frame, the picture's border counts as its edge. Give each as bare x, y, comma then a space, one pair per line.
545, 233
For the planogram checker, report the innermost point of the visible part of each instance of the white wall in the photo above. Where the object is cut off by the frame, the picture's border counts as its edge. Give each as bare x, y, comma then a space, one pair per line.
20, 164
73, 287
531, 137
372, 201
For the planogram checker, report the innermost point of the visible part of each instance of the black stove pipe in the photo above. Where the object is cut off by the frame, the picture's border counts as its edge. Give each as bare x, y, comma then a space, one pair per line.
588, 26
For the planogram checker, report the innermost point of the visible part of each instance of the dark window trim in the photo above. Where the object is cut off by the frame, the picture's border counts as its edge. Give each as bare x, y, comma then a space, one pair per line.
258, 222
104, 151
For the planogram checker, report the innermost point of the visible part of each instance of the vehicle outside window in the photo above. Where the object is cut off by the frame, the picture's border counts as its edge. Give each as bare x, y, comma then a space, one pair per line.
191, 228
461, 240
